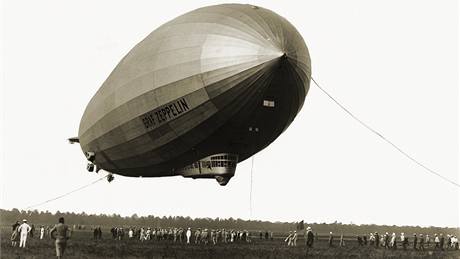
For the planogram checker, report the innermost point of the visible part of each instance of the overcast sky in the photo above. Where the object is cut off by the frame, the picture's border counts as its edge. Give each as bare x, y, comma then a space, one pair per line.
393, 63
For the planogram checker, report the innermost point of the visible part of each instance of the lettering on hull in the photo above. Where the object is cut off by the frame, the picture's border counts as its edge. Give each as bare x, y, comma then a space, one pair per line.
165, 113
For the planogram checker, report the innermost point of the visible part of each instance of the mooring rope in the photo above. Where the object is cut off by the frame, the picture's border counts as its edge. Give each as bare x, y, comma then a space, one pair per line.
427, 169
66, 194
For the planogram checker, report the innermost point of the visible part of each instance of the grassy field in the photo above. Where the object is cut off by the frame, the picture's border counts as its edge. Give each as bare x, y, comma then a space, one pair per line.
82, 246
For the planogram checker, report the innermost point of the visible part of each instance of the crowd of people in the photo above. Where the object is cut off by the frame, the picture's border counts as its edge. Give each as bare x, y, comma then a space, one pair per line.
387, 241
418, 242
197, 236
61, 232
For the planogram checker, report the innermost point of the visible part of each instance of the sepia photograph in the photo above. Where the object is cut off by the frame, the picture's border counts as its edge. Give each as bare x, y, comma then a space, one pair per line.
242, 129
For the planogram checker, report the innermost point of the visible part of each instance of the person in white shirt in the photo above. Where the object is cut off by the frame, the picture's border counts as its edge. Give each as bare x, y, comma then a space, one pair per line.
454, 242
147, 233
188, 234
142, 235
294, 239
42, 232
436, 241
23, 231
393, 241
288, 239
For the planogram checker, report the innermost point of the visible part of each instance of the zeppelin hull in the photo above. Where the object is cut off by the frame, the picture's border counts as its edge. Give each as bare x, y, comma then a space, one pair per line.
220, 79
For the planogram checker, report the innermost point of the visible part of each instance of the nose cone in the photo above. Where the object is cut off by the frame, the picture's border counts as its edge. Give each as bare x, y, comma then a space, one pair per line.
245, 36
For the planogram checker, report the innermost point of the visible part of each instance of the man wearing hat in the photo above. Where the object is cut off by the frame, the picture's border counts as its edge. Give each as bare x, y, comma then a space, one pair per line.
23, 231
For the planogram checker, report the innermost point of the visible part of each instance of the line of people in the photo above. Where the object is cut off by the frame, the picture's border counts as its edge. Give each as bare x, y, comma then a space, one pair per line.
419, 242
198, 236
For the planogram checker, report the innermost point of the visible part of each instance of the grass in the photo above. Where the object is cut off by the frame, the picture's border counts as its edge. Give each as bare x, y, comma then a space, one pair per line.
82, 246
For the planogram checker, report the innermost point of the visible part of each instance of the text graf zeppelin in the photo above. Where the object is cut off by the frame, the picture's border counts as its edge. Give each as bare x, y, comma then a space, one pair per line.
165, 113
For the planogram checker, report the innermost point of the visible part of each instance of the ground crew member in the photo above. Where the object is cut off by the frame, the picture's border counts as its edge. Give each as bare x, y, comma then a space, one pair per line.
393, 241
288, 239
32, 230
42, 232
331, 239
310, 237
23, 231
421, 243
436, 241
441, 242
142, 235
341, 242
15, 234
403, 241
386, 240
294, 239
60, 232
371, 239
130, 233
197, 236
360, 240
189, 235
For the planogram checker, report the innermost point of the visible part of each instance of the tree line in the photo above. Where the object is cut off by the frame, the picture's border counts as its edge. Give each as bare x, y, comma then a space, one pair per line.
8, 217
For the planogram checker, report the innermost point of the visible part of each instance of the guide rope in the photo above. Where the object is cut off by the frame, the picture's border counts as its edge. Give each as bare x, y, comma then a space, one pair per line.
427, 169
66, 194
250, 189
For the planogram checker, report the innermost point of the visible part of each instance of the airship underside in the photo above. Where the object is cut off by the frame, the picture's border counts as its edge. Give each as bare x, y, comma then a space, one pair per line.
198, 95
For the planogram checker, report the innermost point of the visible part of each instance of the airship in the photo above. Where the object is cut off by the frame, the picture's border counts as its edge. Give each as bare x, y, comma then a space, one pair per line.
198, 95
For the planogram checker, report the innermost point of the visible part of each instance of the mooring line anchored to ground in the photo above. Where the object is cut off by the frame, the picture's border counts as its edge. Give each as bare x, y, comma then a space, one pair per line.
380, 135
66, 194
250, 188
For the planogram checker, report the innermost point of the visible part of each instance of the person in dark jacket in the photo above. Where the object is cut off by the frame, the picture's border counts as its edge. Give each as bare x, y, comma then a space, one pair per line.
441, 242
310, 237
415, 241
331, 239
15, 234
386, 240
421, 243
360, 240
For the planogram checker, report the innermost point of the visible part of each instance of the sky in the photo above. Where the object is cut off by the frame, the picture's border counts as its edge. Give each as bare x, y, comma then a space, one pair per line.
394, 64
